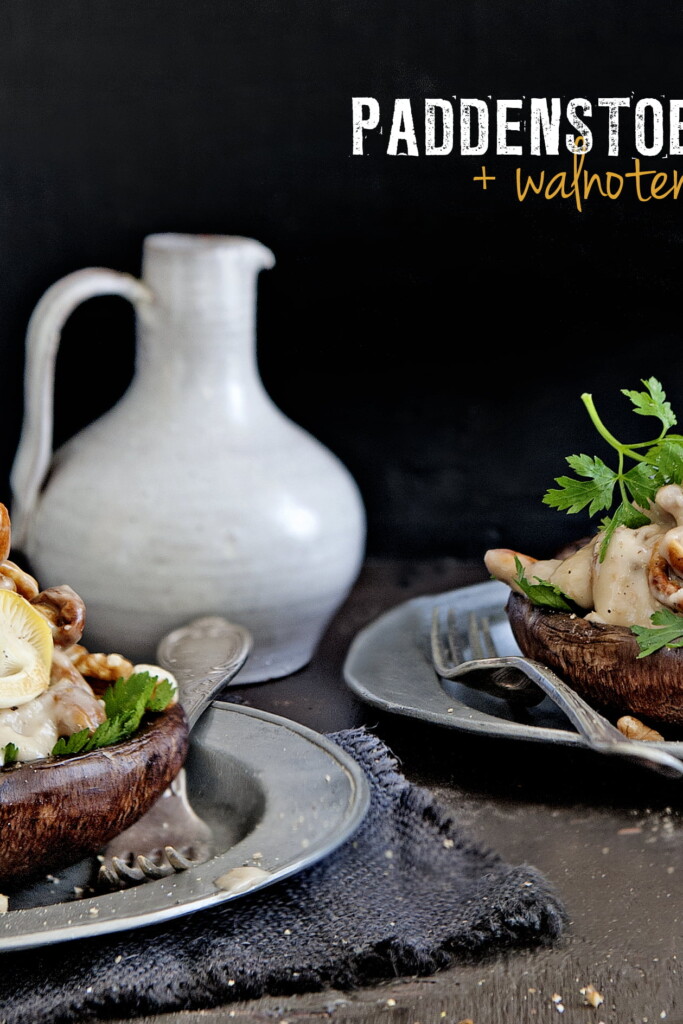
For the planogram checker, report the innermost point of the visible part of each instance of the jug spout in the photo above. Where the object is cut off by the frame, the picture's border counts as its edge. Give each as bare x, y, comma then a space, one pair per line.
197, 338
203, 275
207, 245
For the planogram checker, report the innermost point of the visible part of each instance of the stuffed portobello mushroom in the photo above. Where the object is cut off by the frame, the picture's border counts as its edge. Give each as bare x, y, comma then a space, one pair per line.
88, 740
607, 614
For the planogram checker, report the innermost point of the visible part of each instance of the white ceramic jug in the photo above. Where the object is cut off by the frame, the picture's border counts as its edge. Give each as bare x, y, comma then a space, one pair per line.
194, 494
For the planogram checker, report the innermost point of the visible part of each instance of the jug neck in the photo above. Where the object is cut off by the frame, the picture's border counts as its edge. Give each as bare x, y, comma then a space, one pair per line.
204, 277
201, 327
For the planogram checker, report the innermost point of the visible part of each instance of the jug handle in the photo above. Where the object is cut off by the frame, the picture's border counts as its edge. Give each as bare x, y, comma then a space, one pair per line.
34, 451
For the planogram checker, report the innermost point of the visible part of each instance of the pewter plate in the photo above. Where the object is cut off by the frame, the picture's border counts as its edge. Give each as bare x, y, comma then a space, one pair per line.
277, 795
389, 666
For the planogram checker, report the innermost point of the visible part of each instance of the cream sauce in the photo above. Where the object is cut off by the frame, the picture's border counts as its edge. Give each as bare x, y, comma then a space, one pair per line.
68, 706
617, 590
240, 879
621, 591
572, 575
34, 728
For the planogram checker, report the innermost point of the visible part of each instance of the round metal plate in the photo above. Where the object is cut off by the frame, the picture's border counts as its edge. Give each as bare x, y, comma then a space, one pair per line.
278, 797
389, 665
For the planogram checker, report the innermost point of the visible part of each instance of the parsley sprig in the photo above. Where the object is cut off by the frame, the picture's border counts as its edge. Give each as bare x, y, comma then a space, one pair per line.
126, 702
669, 632
654, 463
542, 593
10, 754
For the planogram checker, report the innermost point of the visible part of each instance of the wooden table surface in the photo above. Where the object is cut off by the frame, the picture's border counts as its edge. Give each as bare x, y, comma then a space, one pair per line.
608, 834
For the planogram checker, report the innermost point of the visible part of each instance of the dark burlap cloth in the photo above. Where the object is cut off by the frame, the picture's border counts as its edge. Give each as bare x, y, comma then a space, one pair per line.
408, 894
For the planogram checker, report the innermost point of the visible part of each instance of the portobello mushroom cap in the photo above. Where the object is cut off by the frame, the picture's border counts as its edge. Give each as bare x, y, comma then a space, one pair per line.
55, 811
601, 662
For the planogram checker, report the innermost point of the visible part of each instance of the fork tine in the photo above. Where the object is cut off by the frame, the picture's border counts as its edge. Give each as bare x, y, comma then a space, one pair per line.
108, 878
126, 872
438, 650
475, 638
119, 873
152, 870
179, 861
480, 636
457, 655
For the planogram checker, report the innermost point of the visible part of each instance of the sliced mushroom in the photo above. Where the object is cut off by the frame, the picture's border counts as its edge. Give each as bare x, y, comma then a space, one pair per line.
64, 609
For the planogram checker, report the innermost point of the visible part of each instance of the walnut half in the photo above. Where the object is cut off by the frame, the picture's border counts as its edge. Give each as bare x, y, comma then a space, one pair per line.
634, 729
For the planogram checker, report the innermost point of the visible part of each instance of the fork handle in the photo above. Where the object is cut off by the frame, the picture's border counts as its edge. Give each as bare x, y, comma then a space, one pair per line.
599, 733
589, 722
204, 656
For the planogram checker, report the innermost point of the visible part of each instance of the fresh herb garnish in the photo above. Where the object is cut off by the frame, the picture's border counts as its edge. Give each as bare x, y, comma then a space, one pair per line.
656, 463
126, 701
10, 754
542, 593
668, 634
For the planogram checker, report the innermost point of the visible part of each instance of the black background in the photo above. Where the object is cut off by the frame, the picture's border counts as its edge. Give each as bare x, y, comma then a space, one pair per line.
435, 336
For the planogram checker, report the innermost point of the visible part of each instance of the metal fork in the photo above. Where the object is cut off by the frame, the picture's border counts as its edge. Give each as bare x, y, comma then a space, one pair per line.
203, 656
171, 834
487, 670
